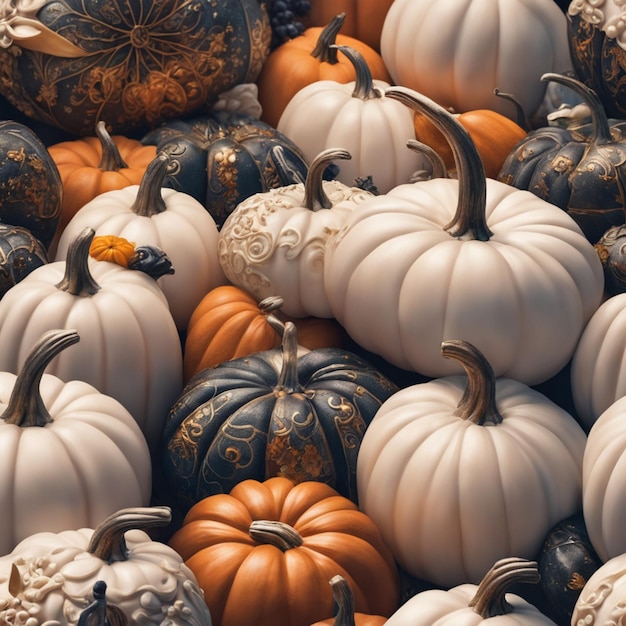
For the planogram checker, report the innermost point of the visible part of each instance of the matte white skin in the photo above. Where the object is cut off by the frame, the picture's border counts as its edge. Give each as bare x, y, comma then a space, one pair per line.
152, 587
601, 601
437, 607
129, 346
86, 464
598, 373
458, 51
451, 497
374, 131
272, 245
185, 231
400, 284
604, 494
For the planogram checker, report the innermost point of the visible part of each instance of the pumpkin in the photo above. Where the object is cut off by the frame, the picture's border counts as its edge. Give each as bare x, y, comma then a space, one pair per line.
598, 377
224, 157
281, 412
469, 257
566, 562
346, 615
274, 242
91, 165
594, 32
129, 63
356, 117
579, 169
308, 58
264, 553
461, 471
229, 323
469, 604
610, 249
20, 253
130, 348
111, 248
457, 52
151, 214
49, 576
601, 600
51, 482
31, 188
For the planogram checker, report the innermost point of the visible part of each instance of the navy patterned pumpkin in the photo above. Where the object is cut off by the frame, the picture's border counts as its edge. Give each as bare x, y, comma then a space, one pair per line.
223, 157
281, 412
131, 63
20, 253
31, 190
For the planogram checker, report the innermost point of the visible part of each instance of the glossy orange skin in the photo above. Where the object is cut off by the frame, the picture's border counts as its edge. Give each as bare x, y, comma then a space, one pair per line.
246, 582
291, 66
228, 324
494, 135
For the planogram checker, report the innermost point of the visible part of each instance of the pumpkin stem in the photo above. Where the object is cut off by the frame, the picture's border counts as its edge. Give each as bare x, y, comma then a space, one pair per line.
315, 197
478, 403
26, 407
364, 87
287, 175
107, 542
267, 306
490, 600
437, 165
344, 598
288, 378
522, 119
77, 279
149, 200
323, 51
469, 221
111, 160
278, 534
599, 121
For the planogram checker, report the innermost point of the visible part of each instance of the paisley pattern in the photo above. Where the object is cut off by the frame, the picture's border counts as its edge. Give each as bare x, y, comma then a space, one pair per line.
234, 422
144, 61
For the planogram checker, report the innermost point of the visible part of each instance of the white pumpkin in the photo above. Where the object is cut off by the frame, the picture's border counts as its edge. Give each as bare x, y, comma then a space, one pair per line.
130, 348
273, 243
172, 220
472, 258
461, 471
63, 445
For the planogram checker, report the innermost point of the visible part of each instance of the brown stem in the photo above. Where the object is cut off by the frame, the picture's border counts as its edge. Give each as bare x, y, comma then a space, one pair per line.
108, 543
323, 51
478, 403
599, 121
275, 533
315, 197
344, 598
288, 377
77, 279
522, 119
111, 160
26, 407
287, 174
267, 306
469, 221
438, 167
364, 83
490, 600
149, 200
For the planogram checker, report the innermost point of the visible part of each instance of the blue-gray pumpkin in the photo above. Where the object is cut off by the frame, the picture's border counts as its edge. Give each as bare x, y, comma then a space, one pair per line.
281, 412
132, 63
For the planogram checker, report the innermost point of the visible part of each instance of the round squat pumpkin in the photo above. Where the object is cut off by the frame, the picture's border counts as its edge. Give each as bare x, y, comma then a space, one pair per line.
132, 63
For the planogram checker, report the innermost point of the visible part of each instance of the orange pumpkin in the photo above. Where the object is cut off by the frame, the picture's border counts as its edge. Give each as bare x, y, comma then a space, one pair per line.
92, 165
364, 18
229, 323
265, 552
308, 58
494, 135
112, 249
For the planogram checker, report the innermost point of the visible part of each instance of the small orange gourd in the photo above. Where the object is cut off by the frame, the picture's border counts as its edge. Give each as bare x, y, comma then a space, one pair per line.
112, 248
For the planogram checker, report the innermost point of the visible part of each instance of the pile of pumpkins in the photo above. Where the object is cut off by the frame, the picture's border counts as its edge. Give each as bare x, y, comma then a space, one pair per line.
325, 329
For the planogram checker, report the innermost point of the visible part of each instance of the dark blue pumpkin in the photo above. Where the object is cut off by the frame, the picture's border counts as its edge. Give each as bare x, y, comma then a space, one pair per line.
273, 413
222, 158
20, 253
31, 190
131, 63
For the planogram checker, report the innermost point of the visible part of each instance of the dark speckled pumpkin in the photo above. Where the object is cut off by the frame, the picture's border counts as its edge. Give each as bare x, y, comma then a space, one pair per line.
20, 253
222, 158
31, 190
280, 412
